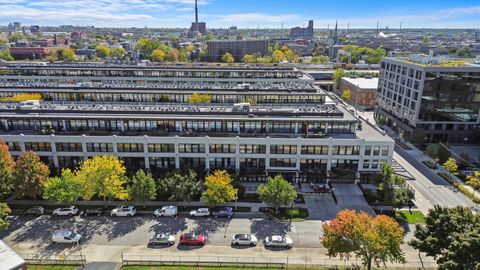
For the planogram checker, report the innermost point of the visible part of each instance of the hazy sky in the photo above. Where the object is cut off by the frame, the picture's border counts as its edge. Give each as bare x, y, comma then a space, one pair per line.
245, 13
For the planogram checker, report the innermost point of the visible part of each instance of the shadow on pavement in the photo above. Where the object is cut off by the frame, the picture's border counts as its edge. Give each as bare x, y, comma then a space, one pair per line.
211, 225
169, 225
264, 227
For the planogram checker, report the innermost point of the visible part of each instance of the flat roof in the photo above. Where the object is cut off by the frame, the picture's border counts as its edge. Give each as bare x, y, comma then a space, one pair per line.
9, 259
363, 83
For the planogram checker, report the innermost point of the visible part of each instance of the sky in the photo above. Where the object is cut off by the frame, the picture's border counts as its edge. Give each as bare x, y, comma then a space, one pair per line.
245, 13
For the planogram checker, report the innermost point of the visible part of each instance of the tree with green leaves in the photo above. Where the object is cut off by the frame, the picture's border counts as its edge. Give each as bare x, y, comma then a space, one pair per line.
228, 58
322, 59
393, 188
250, 58
219, 189
102, 51
451, 236
103, 176
4, 212
64, 189
432, 151
7, 166
368, 238
277, 192
143, 187
5, 55
474, 181
180, 187
337, 75
29, 175
346, 94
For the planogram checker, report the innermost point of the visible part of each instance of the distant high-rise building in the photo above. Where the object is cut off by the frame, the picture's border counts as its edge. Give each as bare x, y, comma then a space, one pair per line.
238, 48
300, 32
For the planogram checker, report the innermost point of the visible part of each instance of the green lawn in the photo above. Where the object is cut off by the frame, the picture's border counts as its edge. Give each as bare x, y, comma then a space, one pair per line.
415, 217
52, 267
208, 268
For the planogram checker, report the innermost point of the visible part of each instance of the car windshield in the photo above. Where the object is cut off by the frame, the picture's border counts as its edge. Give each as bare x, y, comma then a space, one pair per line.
72, 235
191, 236
161, 237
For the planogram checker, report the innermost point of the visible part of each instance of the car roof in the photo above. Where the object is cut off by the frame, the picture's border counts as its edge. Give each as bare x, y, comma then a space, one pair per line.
277, 237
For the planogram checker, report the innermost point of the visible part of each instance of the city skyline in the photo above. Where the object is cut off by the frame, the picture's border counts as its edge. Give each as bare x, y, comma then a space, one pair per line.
248, 14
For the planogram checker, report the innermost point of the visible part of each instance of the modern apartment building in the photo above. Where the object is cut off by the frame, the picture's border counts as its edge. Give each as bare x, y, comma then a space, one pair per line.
431, 99
262, 120
238, 48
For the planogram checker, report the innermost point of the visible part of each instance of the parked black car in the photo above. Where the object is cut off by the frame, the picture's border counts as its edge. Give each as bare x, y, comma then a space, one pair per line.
94, 212
35, 211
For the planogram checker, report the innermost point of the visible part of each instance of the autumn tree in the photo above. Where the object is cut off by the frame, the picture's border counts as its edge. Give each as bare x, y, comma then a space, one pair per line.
199, 98
103, 176
368, 238
250, 58
474, 181
64, 189
118, 52
180, 187
102, 51
346, 94
7, 165
277, 56
228, 58
173, 55
277, 192
451, 166
451, 236
67, 54
219, 189
29, 175
4, 212
143, 187
157, 55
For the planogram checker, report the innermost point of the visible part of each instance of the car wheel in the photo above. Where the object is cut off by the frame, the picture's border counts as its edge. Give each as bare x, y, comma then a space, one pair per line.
252, 244
70, 214
236, 244
129, 215
55, 215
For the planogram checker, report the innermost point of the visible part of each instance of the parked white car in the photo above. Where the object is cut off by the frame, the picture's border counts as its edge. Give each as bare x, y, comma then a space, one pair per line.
278, 241
124, 211
244, 240
166, 211
200, 212
66, 236
65, 211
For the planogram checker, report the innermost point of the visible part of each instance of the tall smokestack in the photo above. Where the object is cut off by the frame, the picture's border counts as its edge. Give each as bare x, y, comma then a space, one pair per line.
196, 17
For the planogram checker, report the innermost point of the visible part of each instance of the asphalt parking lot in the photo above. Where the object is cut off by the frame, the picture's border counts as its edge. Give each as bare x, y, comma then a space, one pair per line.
135, 231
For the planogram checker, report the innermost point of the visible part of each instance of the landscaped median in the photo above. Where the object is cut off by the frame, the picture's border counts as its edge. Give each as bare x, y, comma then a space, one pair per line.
283, 213
460, 187
52, 267
411, 217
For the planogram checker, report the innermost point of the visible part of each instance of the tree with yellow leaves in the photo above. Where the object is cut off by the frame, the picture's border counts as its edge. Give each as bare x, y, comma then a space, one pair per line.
199, 98
103, 176
23, 97
228, 58
173, 55
219, 189
157, 55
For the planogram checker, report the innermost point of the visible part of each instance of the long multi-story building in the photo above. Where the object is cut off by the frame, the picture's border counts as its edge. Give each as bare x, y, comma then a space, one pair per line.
238, 48
431, 99
261, 120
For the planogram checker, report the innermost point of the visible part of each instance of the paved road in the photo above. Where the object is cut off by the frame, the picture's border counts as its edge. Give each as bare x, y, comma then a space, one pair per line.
434, 189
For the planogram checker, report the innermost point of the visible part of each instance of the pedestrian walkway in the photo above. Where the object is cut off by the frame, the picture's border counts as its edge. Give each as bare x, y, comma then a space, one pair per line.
102, 266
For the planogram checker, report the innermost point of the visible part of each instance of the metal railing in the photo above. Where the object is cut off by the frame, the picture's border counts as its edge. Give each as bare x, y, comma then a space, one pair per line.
204, 260
67, 259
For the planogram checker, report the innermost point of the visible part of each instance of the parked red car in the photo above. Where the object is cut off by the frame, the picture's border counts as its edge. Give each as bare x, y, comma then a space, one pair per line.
193, 239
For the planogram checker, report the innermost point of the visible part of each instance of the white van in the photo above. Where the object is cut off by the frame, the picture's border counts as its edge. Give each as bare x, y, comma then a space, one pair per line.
166, 211
66, 236
29, 104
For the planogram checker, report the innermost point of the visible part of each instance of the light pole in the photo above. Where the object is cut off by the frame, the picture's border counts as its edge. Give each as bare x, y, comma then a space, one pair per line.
236, 199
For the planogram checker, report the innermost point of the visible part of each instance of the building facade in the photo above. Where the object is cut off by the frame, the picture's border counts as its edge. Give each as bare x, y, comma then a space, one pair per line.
431, 99
302, 32
363, 91
238, 48
261, 121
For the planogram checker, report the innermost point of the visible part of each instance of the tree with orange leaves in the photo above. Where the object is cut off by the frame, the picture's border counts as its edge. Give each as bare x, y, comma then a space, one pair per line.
369, 238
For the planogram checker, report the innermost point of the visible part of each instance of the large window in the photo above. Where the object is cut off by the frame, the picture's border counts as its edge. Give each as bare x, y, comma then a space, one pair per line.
100, 147
283, 162
69, 147
252, 149
38, 146
315, 149
283, 149
345, 150
222, 163
191, 148
130, 147
161, 148
223, 148
14, 146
